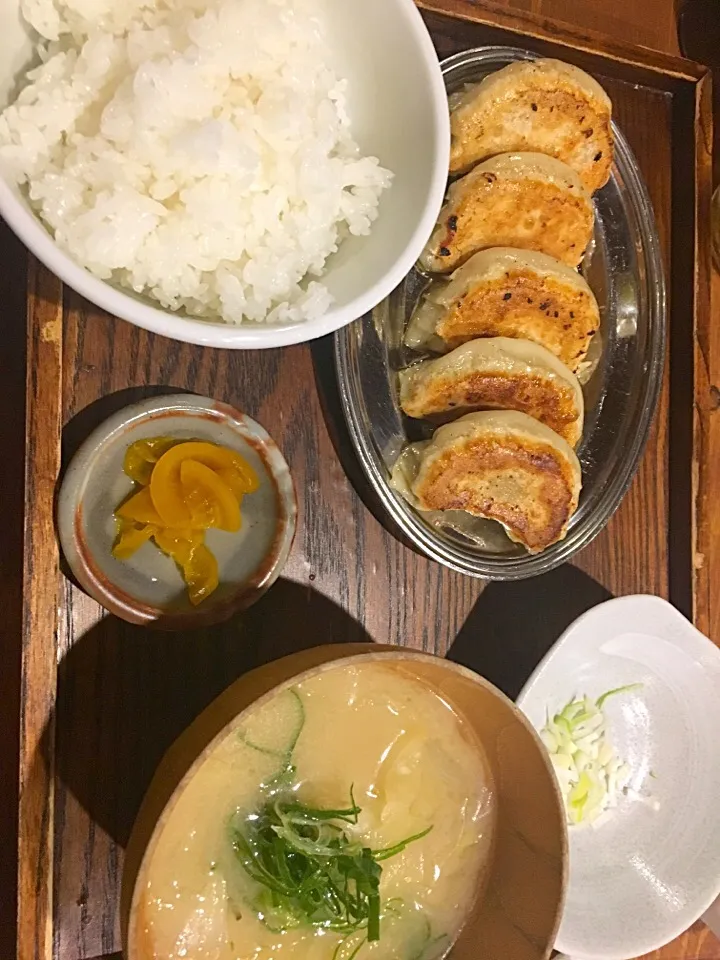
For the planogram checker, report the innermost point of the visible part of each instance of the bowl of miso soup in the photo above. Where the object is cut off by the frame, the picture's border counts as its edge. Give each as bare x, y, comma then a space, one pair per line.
351, 802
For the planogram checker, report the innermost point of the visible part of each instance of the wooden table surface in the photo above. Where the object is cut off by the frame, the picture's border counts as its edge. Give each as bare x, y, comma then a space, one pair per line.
646, 22
649, 23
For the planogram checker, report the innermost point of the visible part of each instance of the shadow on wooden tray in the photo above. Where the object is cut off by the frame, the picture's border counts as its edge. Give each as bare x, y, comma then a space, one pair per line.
331, 404
513, 625
79, 428
126, 692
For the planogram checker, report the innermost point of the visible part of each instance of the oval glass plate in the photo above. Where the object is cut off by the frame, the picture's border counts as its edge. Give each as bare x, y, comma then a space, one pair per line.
624, 269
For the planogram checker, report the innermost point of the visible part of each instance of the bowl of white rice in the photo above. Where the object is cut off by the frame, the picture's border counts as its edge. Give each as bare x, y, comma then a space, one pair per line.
232, 173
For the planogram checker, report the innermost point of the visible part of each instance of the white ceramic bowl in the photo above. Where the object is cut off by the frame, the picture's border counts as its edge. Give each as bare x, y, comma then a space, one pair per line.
398, 108
652, 868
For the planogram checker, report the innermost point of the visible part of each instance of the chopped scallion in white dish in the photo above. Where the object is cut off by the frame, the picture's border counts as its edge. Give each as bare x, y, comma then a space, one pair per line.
590, 774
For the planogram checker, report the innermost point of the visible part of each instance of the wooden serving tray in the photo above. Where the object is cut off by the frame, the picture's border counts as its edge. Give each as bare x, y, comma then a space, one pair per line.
88, 704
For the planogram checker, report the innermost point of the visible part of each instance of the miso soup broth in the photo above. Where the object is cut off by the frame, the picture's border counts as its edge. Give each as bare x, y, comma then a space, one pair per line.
350, 816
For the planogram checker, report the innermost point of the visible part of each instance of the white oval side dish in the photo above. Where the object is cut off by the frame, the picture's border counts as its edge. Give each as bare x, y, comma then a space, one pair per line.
650, 867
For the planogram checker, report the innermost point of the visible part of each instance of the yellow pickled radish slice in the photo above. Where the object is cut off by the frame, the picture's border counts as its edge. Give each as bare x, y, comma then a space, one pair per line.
240, 484
165, 486
186, 487
167, 492
178, 544
198, 565
140, 508
230, 465
210, 500
141, 457
130, 538
201, 574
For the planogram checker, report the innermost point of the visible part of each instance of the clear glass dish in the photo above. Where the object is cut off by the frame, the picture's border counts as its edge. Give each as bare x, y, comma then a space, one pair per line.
624, 269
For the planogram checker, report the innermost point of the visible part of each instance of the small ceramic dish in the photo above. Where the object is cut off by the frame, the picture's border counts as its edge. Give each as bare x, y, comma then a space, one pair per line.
148, 588
651, 866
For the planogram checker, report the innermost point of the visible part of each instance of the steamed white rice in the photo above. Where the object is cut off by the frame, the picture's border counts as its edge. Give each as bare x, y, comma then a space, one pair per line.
196, 151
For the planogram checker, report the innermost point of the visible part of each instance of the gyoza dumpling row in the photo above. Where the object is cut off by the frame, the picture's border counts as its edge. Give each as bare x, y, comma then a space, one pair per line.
499, 466
511, 232
541, 135
517, 316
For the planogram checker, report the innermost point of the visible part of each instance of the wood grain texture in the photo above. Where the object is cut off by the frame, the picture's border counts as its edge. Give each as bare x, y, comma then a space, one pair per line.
43, 420
698, 943
630, 62
706, 560
646, 23
12, 475
124, 693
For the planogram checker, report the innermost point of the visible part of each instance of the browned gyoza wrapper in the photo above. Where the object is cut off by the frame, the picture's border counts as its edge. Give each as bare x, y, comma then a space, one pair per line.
542, 106
524, 200
505, 292
501, 465
496, 374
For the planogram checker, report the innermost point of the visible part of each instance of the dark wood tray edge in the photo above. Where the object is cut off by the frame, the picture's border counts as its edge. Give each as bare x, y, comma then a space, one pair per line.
661, 68
41, 594
705, 517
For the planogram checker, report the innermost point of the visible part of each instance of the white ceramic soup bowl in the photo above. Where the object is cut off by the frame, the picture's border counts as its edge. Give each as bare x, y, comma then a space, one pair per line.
398, 109
651, 866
